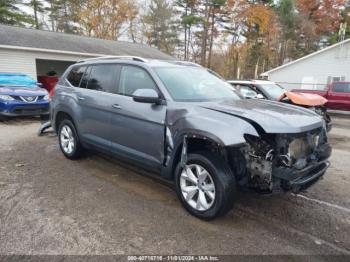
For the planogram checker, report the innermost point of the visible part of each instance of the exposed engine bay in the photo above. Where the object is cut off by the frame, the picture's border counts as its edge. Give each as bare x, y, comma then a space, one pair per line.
276, 162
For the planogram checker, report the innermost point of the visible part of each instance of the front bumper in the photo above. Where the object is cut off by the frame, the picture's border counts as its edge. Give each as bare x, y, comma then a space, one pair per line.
24, 109
298, 180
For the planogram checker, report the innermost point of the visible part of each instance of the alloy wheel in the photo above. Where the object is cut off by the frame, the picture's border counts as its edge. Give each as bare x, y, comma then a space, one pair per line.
67, 139
197, 187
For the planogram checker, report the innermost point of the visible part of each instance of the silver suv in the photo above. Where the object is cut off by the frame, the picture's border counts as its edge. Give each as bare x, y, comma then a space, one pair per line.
186, 124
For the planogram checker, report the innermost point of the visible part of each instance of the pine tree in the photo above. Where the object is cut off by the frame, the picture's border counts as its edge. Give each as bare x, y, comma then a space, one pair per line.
11, 14
161, 23
38, 8
287, 16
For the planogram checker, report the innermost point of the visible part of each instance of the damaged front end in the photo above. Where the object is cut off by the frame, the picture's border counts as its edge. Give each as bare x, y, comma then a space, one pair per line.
276, 162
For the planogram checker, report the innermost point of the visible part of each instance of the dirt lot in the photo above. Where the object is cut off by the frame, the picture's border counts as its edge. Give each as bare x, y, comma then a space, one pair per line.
50, 205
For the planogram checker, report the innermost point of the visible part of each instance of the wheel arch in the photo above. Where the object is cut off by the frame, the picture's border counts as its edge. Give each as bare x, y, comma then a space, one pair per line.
194, 142
59, 117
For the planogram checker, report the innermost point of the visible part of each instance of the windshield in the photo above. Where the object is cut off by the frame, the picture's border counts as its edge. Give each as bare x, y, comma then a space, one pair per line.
17, 80
275, 91
194, 84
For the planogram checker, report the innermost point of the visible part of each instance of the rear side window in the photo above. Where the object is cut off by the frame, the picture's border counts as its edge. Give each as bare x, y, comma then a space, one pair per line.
75, 75
103, 78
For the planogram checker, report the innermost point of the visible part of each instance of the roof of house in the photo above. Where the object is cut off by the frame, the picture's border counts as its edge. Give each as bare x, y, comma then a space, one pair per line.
31, 39
306, 57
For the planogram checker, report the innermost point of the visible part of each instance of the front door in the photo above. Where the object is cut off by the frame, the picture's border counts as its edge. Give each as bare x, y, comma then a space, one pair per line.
137, 129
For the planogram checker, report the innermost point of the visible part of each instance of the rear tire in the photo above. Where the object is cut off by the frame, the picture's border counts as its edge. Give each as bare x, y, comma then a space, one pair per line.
69, 140
219, 178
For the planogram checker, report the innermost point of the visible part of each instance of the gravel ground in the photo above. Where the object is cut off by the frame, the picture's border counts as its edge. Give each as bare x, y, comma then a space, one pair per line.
97, 205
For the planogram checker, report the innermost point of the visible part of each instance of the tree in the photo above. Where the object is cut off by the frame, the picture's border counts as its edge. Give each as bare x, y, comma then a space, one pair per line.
318, 19
11, 14
55, 12
162, 26
205, 15
63, 15
261, 32
215, 12
105, 18
38, 8
288, 19
189, 19
345, 20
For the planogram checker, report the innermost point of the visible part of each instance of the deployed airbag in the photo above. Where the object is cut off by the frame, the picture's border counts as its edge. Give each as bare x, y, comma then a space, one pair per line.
305, 99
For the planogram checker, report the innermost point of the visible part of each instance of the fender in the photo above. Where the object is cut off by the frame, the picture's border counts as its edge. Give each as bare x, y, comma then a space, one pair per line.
64, 101
224, 129
180, 125
58, 109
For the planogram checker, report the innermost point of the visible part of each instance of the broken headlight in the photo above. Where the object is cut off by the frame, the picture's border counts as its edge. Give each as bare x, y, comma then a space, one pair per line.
303, 146
299, 148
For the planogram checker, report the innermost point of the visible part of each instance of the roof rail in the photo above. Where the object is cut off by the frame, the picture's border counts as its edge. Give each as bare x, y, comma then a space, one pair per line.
186, 63
134, 58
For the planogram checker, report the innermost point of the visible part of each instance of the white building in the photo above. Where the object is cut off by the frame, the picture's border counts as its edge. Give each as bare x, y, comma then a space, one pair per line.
36, 52
316, 70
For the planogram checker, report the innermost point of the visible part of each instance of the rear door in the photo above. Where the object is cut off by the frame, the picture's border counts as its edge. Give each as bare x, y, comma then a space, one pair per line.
96, 99
138, 129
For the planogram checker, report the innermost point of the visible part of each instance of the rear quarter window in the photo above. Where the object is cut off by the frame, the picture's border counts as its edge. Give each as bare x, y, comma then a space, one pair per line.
75, 75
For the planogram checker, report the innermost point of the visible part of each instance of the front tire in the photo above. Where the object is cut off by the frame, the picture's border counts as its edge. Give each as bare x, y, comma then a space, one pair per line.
69, 140
206, 186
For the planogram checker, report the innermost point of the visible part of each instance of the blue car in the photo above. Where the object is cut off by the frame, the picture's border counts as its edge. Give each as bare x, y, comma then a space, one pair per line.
20, 95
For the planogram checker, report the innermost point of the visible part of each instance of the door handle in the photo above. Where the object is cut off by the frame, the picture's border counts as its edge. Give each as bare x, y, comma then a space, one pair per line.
116, 106
81, 98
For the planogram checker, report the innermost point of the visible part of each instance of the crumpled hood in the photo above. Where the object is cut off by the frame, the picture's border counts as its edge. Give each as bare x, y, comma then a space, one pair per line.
273, 117
305, 99
22, 91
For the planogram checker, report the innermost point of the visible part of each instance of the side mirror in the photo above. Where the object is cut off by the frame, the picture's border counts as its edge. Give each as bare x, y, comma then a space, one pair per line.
149, 96
260, 96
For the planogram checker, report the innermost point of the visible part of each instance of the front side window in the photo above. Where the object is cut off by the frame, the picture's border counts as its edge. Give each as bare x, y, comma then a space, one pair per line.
341, 88
75, 75
246, 91
102, 78
273, 90
133, 78
191, 84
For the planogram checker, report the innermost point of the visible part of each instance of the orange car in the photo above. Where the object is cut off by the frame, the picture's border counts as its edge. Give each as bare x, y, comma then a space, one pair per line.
262, 89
